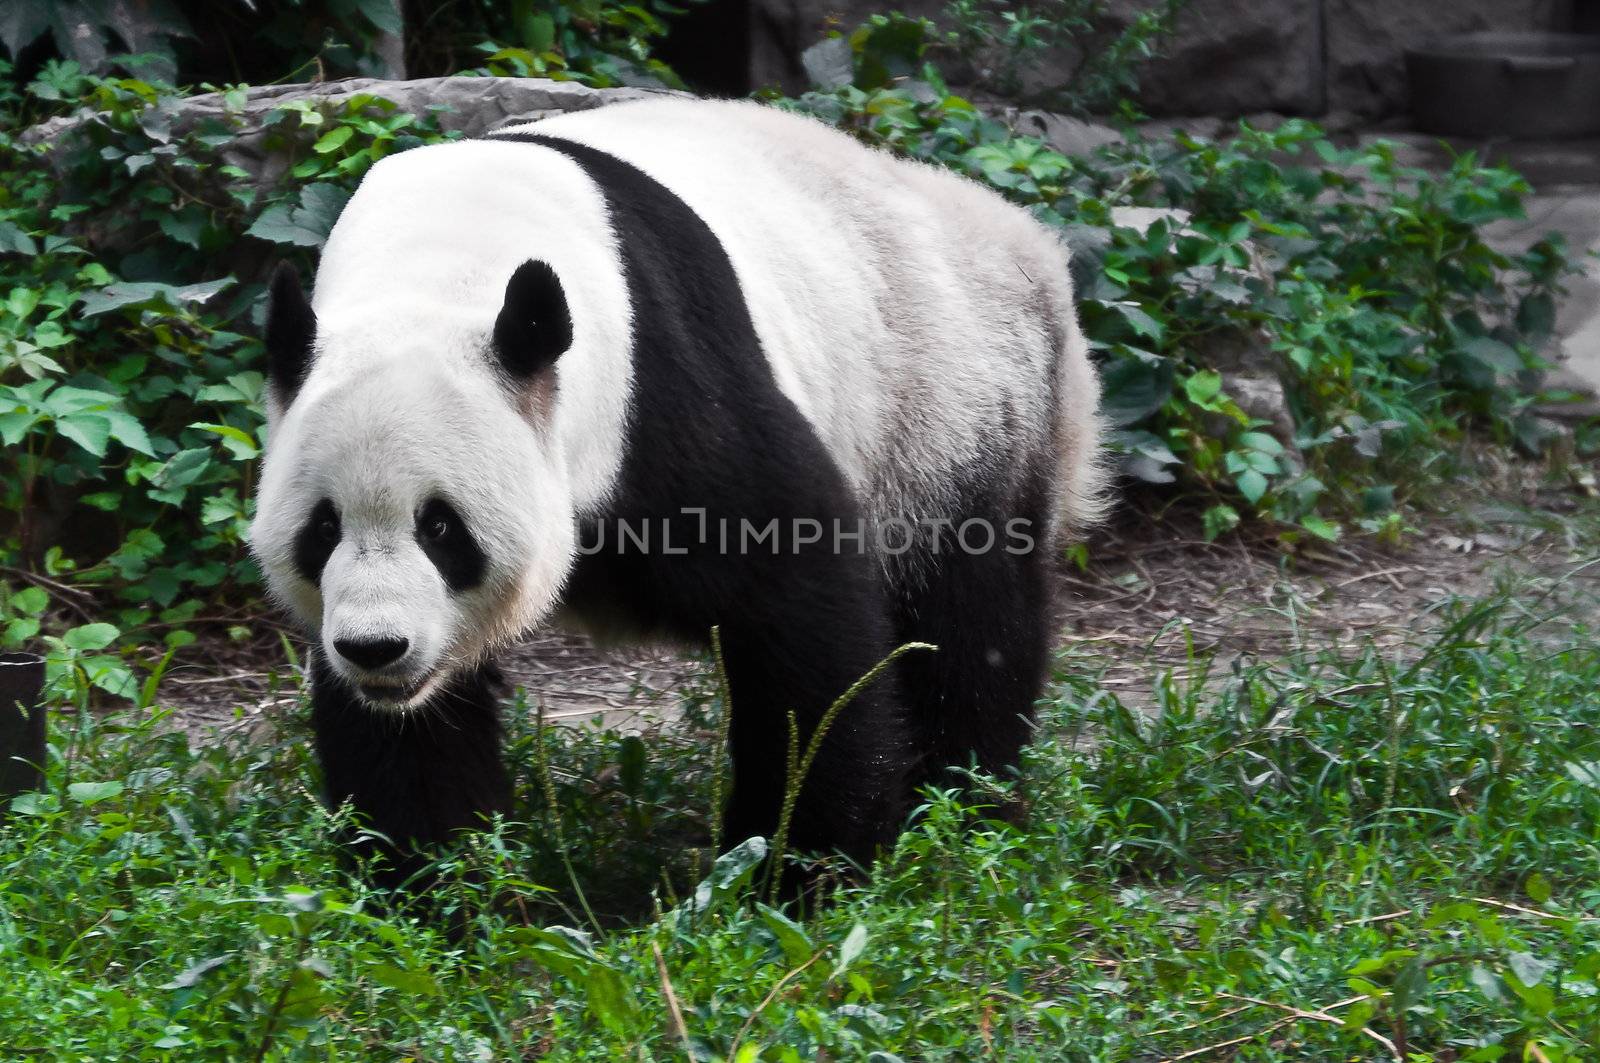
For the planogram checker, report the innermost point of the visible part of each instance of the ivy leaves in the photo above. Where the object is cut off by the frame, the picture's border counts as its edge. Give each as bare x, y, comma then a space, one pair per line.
305, 222
89, 419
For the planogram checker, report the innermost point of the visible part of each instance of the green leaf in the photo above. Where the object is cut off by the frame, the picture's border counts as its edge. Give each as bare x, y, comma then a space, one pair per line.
384, 14
306, 224
185, 227
1145, 456
192, 974
854, 944
417, 983
111, 674
1321, 527
1585, 773
150, 294
1141, 322
729, 874
33, 804
570, 953
1252, 485
561, 949
67, 400
21, 301
184, 467
1528, 968
1203, 386
124, 294
218, 393
1536, 316
14, 241
218, 509
1133, 389
632, 759
791, 936
19, 630
248, 384
237, 441
1492, 354
1261, 441
30, 600
15, 425
91, 431
91, 636
277, 225
1488, 983
607, 995
539, 32
126, 429
332, 140
88, 793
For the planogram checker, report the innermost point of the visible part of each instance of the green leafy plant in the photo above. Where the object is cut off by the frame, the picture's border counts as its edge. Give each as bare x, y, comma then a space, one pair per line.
1064, 55
594, 42
1345, 853
130, 387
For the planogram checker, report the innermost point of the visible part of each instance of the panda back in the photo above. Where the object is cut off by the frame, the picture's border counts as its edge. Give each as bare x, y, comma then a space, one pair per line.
917, 320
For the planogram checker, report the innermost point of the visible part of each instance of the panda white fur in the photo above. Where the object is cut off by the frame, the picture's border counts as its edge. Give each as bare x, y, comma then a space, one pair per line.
693, 318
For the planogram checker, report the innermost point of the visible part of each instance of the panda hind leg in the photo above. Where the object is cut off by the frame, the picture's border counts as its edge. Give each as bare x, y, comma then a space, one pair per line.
972, 703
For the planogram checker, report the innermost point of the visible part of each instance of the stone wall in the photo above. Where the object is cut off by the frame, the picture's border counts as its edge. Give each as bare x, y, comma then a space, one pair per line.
472, 106
1365, 71
1228, 57
1231, 57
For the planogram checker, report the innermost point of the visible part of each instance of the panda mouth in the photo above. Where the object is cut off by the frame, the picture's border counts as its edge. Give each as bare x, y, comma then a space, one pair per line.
393, 692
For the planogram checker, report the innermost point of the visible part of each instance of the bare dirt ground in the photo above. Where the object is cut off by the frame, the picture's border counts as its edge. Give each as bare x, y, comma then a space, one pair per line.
1144, 607
1150, 590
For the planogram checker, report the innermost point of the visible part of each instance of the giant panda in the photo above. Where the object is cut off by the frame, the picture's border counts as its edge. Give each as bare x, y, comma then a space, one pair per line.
654, 368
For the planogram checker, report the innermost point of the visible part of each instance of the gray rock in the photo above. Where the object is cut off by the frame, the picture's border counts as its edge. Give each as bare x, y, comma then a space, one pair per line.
1068, 135
1141, 218
829, 64
1225, 57
473, 106
1234, 57
1577, 370
780, 33
1570, 395
1251, 376
1367, 40
1201, 127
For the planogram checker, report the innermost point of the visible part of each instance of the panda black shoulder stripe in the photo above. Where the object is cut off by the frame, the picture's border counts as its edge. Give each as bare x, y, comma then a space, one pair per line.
695, 348
713, 442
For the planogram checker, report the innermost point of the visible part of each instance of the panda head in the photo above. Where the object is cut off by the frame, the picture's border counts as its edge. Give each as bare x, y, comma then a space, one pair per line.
414, 508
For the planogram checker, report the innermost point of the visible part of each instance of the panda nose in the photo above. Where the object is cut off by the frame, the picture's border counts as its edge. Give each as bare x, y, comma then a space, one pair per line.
371, 653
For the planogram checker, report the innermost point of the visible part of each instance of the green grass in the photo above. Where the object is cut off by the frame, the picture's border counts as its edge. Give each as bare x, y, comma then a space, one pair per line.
1329, 857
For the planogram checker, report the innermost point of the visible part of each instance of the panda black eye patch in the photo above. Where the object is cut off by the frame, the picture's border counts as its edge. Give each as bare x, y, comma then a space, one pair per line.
314, 543
446, 540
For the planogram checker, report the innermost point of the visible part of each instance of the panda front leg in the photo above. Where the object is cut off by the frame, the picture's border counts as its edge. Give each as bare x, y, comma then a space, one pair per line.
854, 797
417, 777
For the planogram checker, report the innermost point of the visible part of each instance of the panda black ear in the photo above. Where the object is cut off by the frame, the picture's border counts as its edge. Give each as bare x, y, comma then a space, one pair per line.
534, 326
291, 330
